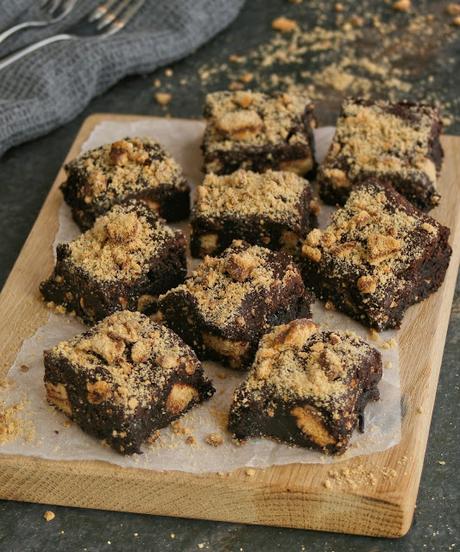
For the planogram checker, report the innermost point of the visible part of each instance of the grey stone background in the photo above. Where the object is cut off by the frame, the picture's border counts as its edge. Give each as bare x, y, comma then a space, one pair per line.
26, 173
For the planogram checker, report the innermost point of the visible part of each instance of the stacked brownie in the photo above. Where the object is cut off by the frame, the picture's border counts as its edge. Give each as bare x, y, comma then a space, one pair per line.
247, 304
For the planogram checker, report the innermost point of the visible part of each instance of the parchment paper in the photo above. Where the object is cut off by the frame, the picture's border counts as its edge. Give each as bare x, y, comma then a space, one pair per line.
56, 439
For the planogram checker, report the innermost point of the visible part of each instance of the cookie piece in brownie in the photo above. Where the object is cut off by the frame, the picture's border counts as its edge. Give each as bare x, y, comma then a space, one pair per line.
230, 301
255, 131
124, 261
133, 168
307, 387
273, 209
378, 256
124, 379
396, 142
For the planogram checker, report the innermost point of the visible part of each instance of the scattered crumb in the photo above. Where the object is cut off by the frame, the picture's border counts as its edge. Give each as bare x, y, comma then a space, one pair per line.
179, 429
442, 462
169, 72
12, 426
402, 5
172, 535
214, 439
327, 484
246, 77
329, 305
157, 83
390, 344
49, 515
163, 98
388, 364
250, 472
190, 440
453, 9
284, 25
24, 368
419, 409
201, 545
374, 335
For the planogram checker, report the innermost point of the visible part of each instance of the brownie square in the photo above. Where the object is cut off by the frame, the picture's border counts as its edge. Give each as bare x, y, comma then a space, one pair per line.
255, 131
307, 387
133, 168
378, 256
273, 209
124, 379
124, 261
230, 301
394, 142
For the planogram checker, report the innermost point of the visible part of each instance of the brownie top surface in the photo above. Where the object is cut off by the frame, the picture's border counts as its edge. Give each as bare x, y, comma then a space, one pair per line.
299, 360
373, 239
223, 288
125, 166
127, 357
274, 194
382, 138
246, 119
121, 244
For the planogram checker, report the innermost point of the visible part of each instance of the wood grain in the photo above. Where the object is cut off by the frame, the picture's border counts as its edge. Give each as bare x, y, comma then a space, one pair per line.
289, 496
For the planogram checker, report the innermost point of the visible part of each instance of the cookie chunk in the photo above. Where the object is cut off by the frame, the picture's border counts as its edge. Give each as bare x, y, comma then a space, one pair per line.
379, 256
124, 261
257, 132
397, 143
274, 209
307, 387
230, 301
124, 379
133, 168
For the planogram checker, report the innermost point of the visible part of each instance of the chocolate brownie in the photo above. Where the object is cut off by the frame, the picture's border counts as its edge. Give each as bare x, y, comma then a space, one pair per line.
254, 131
133, 168
230, 301
124, 379
272, 209
307, 387
394, 142
378, 256
124, 261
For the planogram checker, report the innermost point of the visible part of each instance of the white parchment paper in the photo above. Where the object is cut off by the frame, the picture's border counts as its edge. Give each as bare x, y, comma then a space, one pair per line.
57, 440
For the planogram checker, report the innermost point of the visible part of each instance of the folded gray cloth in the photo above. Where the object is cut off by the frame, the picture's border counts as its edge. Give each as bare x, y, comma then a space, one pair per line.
51, 86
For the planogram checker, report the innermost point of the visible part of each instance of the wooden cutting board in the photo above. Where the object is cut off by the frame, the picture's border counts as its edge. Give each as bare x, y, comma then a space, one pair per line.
372, 495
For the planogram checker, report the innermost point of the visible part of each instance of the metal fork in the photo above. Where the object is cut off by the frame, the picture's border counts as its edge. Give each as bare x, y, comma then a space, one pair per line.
111, 16
56, 10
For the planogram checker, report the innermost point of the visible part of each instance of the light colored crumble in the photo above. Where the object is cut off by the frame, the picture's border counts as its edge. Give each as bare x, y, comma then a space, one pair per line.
244, 118
121, 244
115, 170
273, 194
126, 359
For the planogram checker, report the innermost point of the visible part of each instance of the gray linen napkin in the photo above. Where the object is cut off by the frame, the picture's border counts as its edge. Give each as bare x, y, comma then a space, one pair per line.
51, 86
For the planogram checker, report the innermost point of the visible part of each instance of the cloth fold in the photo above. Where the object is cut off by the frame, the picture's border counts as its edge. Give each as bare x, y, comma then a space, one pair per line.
51, 86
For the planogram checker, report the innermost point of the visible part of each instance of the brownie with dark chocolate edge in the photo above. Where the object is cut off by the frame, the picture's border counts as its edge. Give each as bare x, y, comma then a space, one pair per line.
133, 168
124, 379
378, 256
230, 301
255, 131
124, 262
307, 387
397, 142
273, 209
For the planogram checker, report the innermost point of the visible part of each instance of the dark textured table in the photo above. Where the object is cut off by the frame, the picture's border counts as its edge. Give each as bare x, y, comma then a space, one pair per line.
26, 174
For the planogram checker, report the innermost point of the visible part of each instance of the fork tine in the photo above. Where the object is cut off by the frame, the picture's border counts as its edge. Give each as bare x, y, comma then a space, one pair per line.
122, 21
112, 14
101, 10
53, 6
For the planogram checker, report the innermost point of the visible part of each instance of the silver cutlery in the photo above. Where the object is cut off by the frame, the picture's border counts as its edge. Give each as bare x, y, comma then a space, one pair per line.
53, 10
110, 17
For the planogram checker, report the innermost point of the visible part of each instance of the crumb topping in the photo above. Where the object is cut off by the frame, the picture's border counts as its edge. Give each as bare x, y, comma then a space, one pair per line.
300, 361
127, 359
126, 166
273, 194
372, 239
221, 285
254, 119
121, 244
381, 138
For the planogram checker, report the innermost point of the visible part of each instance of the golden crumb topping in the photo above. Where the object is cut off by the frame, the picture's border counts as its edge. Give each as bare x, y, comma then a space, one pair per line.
301, 361
125, 166
372, 239
253, 118
121, 244
221, 285
126, 359
272, 194
381, 139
